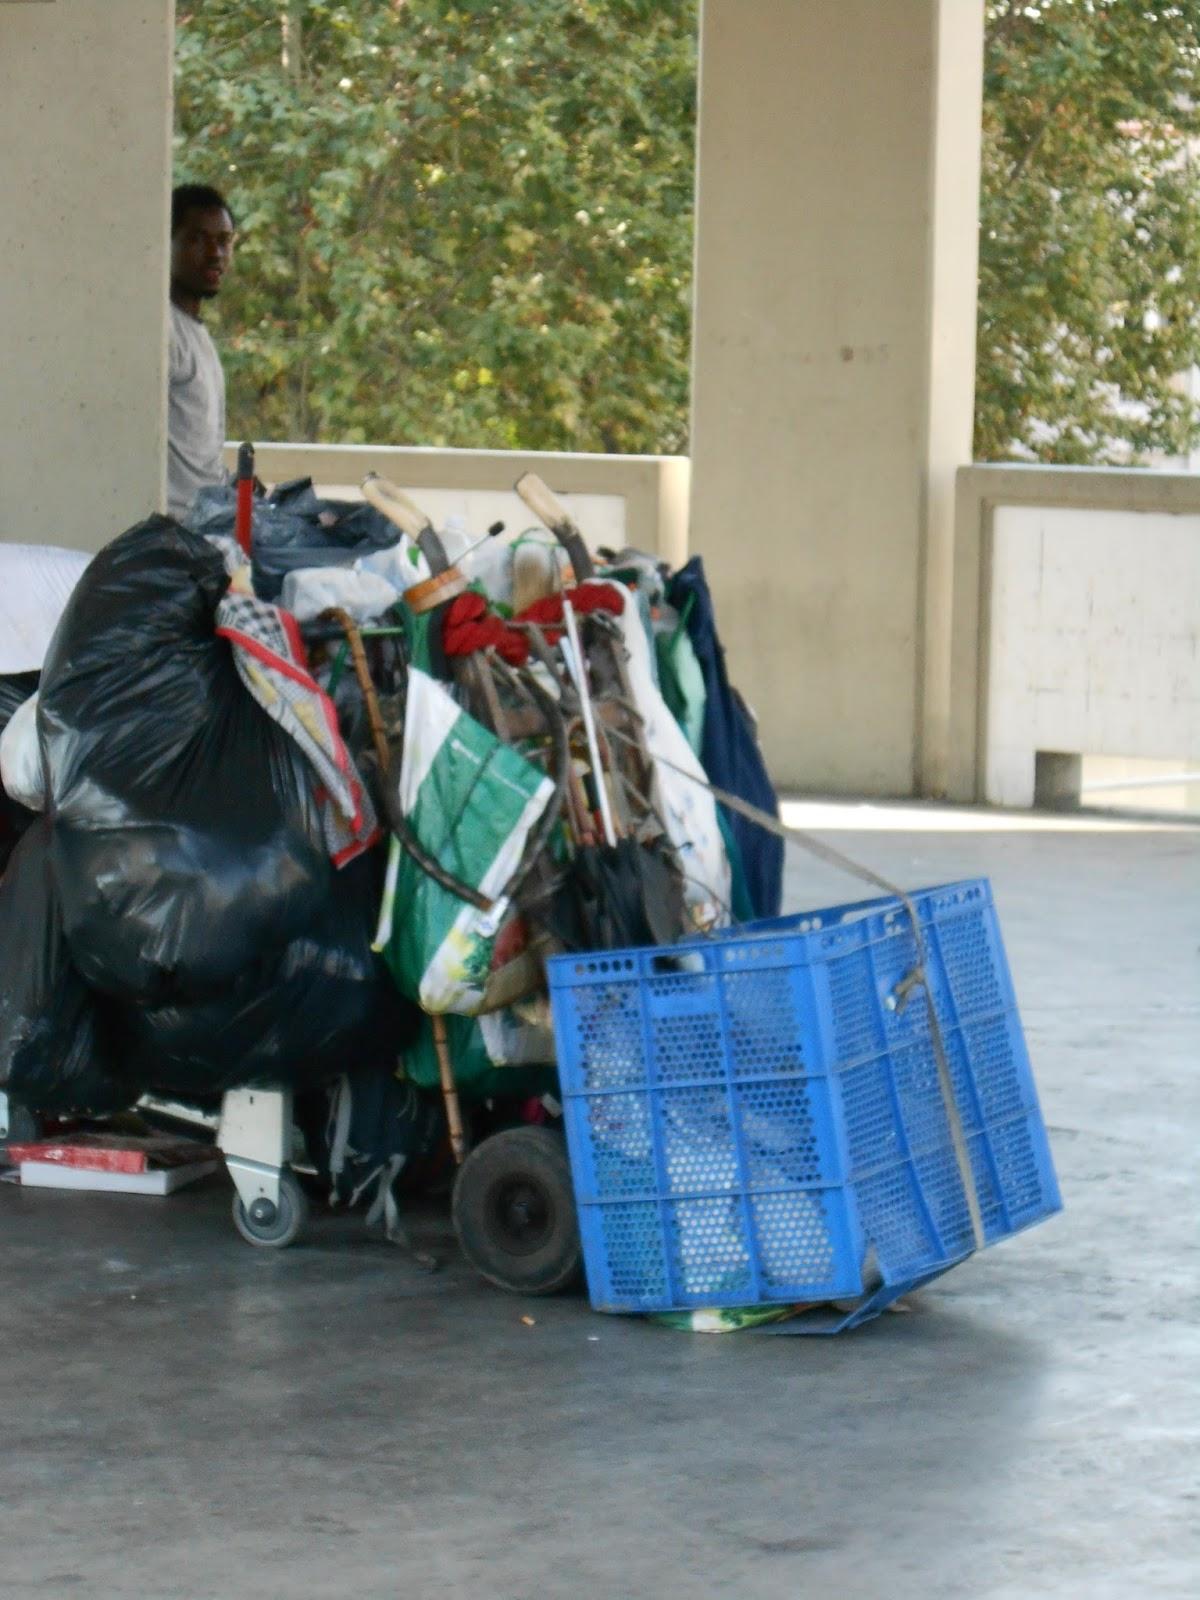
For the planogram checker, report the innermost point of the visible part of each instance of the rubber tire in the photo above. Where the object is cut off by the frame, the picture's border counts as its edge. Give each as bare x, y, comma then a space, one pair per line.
289, 1222
519, 1168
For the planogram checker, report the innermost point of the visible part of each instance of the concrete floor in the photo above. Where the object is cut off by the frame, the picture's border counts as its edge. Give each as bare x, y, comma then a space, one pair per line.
184, 1416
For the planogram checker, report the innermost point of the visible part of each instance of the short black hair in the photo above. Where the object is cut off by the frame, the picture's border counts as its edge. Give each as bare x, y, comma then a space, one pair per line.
189, 197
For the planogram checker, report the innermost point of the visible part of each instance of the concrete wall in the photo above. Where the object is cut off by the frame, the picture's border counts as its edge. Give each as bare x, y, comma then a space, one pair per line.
1095, 640
836, 261
1077, 624
85, 123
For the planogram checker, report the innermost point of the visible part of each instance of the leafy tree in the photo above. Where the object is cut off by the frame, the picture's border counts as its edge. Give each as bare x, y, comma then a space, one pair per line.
459, 224
470, 223
1090, 236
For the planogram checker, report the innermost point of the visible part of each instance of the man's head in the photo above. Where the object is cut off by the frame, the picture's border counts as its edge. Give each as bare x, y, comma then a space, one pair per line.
201, 241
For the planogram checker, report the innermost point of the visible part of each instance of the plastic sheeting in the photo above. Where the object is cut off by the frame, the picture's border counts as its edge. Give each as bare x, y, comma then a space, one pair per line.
312, 590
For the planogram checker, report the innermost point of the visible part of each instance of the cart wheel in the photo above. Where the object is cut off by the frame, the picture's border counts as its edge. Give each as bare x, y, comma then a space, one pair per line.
274, 1227
514, 1212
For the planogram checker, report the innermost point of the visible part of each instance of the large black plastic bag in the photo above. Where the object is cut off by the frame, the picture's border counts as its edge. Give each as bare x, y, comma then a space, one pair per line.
293, 528
54, 1041
186, 843
322, 1006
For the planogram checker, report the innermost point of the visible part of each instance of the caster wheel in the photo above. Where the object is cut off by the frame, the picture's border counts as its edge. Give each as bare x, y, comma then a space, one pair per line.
23, 1127
273, 1227
514, 1212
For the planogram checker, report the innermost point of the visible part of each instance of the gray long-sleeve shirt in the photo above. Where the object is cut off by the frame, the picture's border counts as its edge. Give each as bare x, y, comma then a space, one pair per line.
195, 412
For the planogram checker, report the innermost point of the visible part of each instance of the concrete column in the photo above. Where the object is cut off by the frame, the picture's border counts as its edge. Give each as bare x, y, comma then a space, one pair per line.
85, 126
836, 263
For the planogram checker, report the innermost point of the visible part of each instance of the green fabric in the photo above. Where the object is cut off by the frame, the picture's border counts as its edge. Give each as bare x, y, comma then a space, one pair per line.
682, 682
741, 905
474, 1075
416, 637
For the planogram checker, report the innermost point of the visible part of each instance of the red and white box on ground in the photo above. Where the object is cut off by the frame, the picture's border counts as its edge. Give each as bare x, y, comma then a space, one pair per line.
112, 1163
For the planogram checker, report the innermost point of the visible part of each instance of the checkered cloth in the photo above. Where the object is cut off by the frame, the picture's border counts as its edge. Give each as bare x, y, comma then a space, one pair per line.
273, 664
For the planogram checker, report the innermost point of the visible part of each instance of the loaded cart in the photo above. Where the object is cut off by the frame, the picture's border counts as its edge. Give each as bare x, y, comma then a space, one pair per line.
519, 789
816, 1111
471, 854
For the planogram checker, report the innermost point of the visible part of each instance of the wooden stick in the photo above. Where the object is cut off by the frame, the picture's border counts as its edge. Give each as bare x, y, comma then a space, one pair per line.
366, 684
458, 1139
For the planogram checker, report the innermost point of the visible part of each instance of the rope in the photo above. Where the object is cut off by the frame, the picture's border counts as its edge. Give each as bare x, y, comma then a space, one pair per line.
855, 869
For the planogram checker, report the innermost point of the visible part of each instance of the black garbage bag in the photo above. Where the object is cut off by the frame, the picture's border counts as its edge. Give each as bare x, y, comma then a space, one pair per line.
186, 844
15, 689
292, 527
314, 1010
55, 1046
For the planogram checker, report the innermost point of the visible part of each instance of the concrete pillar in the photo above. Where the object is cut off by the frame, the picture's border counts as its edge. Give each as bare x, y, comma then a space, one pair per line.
85, 126
836, 264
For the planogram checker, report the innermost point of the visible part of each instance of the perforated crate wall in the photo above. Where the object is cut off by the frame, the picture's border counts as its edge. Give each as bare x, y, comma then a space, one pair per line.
758, 1117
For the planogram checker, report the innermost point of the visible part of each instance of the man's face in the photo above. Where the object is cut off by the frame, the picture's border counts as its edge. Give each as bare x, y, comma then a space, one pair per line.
201, 251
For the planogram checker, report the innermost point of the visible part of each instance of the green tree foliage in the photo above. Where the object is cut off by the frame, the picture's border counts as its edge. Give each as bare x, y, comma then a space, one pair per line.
460, 224
470, 223
1090, 236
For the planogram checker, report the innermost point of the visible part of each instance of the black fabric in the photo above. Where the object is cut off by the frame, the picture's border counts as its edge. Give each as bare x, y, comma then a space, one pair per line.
293, 527
730, 752
390, 1126
55, 1050
186, 843
615, 898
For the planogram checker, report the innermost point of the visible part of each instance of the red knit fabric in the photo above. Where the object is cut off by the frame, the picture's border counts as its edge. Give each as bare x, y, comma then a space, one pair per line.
468, 626
584, 597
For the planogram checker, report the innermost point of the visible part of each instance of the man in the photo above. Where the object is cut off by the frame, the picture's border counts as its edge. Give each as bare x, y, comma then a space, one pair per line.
201, 250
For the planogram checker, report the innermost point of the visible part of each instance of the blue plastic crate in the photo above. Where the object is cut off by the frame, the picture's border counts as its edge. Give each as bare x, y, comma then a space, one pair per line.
758, 1117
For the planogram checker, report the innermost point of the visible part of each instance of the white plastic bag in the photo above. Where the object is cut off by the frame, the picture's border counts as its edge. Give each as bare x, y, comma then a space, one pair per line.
20, 758
401, 564
688, 809
311, 590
